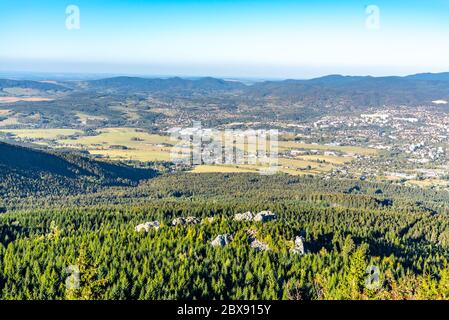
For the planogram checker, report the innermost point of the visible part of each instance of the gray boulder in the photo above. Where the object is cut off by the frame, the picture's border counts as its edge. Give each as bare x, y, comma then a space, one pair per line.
255, 243
147, 226
221, 240
265, 216
185, 221
299, 246
258, 245
247, 216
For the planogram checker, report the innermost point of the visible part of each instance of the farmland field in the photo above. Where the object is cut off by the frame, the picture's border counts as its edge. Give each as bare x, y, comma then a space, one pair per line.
47, 134
28, 99
288, 145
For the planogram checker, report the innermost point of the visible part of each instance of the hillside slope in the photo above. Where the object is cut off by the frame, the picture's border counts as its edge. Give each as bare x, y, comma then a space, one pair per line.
29, 84
25, 171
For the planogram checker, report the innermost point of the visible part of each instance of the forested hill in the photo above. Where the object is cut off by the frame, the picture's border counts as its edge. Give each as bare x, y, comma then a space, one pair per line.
356, 90
136, 84
25, 171
328, 90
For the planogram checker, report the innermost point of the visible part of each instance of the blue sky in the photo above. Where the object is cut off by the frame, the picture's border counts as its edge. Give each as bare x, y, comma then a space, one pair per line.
246, 38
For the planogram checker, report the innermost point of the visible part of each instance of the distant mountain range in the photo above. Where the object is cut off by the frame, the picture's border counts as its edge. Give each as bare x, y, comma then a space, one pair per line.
332, 89
329, 90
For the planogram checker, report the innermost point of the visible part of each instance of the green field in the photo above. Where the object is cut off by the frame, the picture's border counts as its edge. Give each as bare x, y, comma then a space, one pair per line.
47, 134
291, 145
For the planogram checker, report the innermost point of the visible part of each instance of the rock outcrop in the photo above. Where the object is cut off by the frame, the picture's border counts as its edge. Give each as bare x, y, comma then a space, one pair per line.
255, 243
299, 246
265, 216
147, 226
221, 240
247, 216
185, 221
258, 245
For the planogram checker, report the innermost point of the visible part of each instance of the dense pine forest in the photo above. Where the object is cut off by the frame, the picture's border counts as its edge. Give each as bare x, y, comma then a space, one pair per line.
351, 231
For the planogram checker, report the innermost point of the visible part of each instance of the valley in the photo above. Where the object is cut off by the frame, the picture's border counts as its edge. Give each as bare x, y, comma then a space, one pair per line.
88, 179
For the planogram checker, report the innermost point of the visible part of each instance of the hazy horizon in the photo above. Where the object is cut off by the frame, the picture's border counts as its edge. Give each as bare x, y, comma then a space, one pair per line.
72, 75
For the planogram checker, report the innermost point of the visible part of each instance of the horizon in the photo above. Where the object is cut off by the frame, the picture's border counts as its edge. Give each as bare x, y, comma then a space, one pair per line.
76, 76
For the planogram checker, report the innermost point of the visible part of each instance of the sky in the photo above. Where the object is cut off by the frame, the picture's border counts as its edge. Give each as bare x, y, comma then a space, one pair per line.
225, 38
